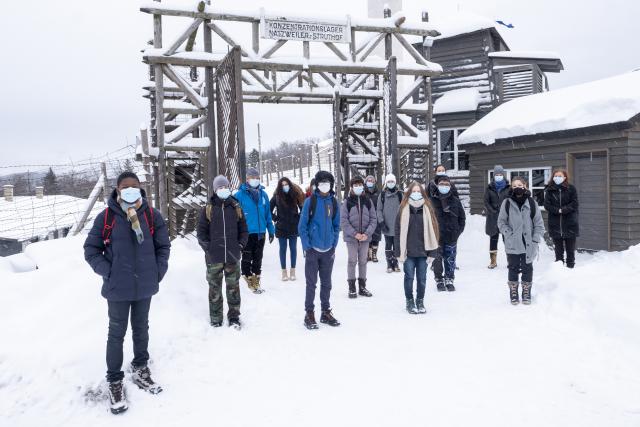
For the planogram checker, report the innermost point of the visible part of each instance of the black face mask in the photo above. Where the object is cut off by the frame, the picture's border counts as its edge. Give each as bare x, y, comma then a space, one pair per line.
519, 191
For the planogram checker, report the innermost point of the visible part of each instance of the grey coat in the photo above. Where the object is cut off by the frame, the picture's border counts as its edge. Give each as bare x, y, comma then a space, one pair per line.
357, 215
517, 224
387, 216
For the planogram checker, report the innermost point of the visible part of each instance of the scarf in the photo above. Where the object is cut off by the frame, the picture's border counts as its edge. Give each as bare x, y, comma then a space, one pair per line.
130, 209
500, 185
430, 237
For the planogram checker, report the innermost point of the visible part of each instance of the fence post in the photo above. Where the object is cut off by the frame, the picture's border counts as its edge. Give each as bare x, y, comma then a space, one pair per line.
300, 170
105, 185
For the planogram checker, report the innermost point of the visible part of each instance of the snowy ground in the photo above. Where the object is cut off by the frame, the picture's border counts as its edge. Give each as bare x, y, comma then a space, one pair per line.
570, 359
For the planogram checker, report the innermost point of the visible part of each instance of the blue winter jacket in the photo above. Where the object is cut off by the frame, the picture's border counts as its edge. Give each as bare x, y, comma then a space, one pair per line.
258, 215
323, 231
130, 271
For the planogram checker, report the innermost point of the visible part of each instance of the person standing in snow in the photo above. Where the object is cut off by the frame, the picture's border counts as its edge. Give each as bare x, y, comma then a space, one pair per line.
416, 229
129, 247
285, 206
222, 233
451, 220
522, 226
371, 189
319, 230
432, 187
387, 210
561, 203
257, 212
358, 222
497, 191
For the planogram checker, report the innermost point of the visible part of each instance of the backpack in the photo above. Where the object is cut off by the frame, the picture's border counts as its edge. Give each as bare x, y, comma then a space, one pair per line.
107, 227
314, 202
532, 205
350, 205
236, 206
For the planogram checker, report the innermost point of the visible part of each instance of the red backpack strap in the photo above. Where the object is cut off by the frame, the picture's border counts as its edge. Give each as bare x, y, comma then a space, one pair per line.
107, 228
151, 225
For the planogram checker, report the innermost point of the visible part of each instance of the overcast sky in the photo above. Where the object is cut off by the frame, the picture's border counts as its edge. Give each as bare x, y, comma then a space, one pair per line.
72, 75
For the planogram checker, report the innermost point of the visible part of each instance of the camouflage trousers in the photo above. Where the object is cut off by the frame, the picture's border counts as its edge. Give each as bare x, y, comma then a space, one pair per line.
231, 272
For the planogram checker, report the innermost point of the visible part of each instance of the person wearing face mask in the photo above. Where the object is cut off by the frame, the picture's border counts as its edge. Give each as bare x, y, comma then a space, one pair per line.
451, 220
319, 230
222, 233
286, 205
129, 247
257, 212
371, 188
416, 229
358, 222
311, 188
522, 226
387, 210
497, 191
561, 203
432, 187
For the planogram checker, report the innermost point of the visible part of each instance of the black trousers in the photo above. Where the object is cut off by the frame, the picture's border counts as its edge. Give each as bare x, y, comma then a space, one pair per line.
118, 320
389, 246
493, 242
252, 255
517, 264
565, 245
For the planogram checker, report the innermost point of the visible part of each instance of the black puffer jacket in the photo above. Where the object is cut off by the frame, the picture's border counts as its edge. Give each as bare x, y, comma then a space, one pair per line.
373, 195
492, 202
285, 211
565, 197
222, 238
451, 221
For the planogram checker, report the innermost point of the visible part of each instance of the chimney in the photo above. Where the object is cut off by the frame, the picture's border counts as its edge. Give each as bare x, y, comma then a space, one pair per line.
39, 192
8, 192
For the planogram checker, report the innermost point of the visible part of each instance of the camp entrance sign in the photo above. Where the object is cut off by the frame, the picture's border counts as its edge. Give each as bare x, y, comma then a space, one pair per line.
281, 28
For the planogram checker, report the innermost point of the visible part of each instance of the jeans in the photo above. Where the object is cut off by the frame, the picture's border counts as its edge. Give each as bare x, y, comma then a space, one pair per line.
389, 246
293, 248
445, 260
118, 320
568, 245
252, 255
318, 263
358, 252
415, 267
517, 264
493, 242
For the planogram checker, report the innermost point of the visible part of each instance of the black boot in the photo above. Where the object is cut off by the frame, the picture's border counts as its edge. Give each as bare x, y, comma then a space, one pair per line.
117, 399
396, 266
448, 283
374, 254
310, 320
420, 306
362, 288
235, 323
327, 317
142, 378
352, 288
440, 285
513, 293
369, 254
411, 306
526, 293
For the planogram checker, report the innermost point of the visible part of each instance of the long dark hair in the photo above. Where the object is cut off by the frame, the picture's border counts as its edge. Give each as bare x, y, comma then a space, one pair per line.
294, 197
563, 172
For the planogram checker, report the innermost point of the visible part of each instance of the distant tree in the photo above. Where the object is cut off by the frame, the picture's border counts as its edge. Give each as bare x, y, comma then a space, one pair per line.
51, 183
253, 158
126, 165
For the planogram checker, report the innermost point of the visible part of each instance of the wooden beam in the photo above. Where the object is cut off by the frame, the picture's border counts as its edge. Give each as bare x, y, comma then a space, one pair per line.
162, 195
273, 48
184, 36
409, 48
255, 37
227, 38
336, 50
185, 86
376, 41
419, 81
413, 131
259, 79
185, 129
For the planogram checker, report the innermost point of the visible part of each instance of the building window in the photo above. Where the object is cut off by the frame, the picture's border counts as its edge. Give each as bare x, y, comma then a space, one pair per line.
536, 179
448, 153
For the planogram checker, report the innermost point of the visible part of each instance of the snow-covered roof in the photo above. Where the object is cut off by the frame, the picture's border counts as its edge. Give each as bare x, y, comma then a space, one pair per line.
456, 101
28, 216
611, 100
454, 23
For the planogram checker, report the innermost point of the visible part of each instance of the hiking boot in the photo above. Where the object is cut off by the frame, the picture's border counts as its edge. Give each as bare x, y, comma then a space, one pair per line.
448, 283
369, 254
374, 254
411, 306
440, 285
526, 293
513, 293
216, 323
352, 288
117, 398
142, 378
327, 317
310, 320
249, 280
285, 277
256, 285
235, 323
493, 255
420, 306
396, 267
292, 274
362, 288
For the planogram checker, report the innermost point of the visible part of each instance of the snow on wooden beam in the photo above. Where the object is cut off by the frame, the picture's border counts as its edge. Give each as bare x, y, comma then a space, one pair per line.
185, 86
173, 106
184, 129
184, 36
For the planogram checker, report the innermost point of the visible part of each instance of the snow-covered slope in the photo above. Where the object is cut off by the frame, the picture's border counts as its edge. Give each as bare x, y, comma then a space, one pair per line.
570, 359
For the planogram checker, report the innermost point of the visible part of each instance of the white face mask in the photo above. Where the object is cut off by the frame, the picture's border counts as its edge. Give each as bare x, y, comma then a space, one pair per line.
358, 189
499, 178
285, 188
254, 182
441, 173
324, 187
371, 184
558, 179
391, 185
223, 193
130, 194
416, 195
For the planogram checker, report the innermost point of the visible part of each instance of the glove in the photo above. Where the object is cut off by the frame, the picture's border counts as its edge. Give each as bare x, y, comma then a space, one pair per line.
271, 238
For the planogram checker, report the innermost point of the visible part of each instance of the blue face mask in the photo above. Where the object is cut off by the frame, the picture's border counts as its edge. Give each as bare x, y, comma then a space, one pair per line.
370, 184
357, 190
558, 179
441, 173
254, 182
444, 189
498, 178
416, 195
130, 194
223, 193
285, 188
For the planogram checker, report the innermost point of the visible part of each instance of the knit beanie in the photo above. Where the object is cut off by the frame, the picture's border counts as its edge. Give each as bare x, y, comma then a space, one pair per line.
252, 172
498, 170
390, 177
220, 181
